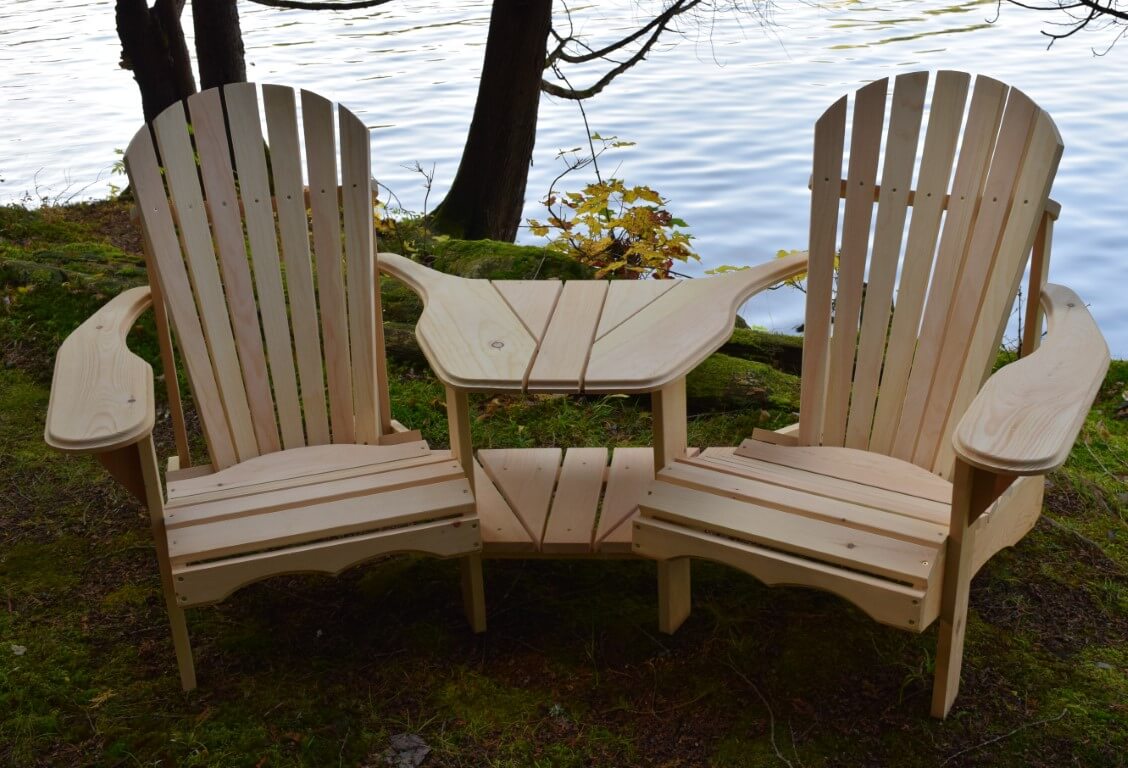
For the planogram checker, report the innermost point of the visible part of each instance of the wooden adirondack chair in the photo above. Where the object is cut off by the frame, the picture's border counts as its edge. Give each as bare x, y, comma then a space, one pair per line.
307, 470
906, 472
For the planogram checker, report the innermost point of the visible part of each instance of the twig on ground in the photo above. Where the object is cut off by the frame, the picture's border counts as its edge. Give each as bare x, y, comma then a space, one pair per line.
1006, 735
771, 714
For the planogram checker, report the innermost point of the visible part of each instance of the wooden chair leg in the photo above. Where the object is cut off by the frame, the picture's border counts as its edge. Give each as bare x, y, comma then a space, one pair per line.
181, 644
473, 592
973, 490
673, 594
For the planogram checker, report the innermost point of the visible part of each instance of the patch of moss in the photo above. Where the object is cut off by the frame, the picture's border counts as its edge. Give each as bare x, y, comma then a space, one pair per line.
729, 383
504, 261
781, 351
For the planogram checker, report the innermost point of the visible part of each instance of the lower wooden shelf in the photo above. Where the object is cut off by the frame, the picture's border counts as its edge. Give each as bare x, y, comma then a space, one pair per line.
548, 502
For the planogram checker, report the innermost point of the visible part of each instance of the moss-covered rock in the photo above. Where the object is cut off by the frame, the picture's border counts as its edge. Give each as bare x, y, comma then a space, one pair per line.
504, 261
724, 383
399, 303
779, 350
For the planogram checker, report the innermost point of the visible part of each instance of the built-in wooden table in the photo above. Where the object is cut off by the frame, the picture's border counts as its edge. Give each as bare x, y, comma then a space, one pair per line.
579, 336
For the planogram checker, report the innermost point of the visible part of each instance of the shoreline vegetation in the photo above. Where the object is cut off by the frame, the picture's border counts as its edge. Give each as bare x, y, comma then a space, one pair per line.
309, 670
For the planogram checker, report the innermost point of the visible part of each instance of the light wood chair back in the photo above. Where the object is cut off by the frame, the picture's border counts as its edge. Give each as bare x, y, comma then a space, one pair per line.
951, 233
273, 295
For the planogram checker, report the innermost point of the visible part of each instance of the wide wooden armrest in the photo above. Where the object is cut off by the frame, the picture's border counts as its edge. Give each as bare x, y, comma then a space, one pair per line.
102, 394
1027, 416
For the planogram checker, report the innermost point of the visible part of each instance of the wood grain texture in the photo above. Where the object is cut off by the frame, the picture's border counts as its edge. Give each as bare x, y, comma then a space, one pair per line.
945, 119
1027, 416
211, 582
571, 522
806, 504
325, 213
526, 479
101, 393
209, 128
626, 297
181, 174
244, 127
502, 530
997, 296
322, 520
826, 175
865, 145
854, 548
692, 320
987, 280
884, 601
297, 466
471, 337
854, 465
531, 300
562, 356
984, 116
160, 234
724, 460
888, 231
365, 356
631, 471
293, 235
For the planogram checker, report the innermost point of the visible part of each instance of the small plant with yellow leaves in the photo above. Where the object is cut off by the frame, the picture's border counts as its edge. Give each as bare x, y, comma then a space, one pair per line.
622, 231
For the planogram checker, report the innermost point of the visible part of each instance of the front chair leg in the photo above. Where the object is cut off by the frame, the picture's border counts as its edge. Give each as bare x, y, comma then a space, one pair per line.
181, 644
147, 478
673, 594
973, 491
473, 592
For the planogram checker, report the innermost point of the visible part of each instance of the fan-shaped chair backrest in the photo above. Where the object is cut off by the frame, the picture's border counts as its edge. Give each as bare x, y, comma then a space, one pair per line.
895, 376
282, 349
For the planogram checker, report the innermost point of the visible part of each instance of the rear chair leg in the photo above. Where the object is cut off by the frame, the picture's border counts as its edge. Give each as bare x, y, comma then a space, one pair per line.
473, 592
673, 594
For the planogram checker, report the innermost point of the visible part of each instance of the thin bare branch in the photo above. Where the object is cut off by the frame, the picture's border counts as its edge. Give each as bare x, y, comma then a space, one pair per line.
576, 94
346, 5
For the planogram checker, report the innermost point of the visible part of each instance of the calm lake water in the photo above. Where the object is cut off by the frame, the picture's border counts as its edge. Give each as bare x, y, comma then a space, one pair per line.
721, 112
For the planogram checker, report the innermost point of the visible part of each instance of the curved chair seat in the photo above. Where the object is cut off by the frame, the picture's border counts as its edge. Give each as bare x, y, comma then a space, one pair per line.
867, 527
341, 504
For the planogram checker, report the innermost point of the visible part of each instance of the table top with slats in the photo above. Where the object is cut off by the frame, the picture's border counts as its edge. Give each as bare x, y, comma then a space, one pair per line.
577, 336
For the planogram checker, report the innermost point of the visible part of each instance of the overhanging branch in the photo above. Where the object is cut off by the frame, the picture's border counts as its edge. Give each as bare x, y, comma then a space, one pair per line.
347, 5
655, 27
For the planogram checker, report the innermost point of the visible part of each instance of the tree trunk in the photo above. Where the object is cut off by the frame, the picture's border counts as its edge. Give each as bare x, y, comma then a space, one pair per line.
153, 46
488, 193
219, 43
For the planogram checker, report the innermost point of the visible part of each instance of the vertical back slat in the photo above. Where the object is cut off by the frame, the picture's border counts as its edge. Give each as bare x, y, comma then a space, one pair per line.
945, 118
184, 190
164, 345
356, 194
157, 222
857, 218
210, 130
293, 231
826, 184
321, 161
254, 187
971, 174
1035, 147
896, 180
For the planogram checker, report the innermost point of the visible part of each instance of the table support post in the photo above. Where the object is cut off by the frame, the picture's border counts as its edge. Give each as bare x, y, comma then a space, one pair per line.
670, 443
669, 423
458, 421
462, 447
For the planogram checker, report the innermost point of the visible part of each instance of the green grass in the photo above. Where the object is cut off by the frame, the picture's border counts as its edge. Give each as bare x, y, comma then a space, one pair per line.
314, 671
